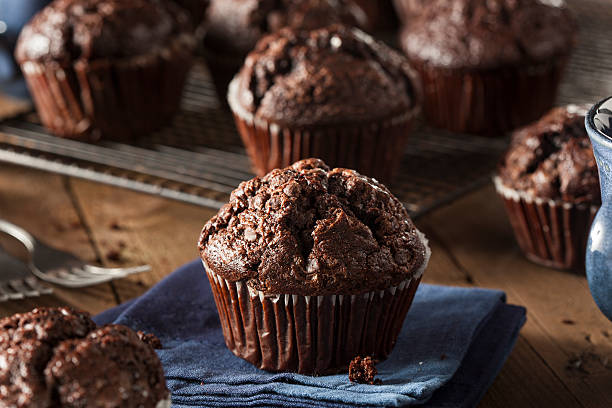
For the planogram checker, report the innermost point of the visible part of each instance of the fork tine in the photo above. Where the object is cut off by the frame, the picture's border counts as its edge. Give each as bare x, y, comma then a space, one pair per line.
38, 285
9, 292
20, 286
127, 271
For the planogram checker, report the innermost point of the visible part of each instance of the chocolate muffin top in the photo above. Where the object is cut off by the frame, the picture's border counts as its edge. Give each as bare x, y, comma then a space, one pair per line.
70, 30
552, 159
332, 75
110, 365
195, 8
489, 34
309, 230
33, 374
234, 26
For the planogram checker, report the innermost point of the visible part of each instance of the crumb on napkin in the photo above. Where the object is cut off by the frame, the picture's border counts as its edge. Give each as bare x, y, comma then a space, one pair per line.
362, 371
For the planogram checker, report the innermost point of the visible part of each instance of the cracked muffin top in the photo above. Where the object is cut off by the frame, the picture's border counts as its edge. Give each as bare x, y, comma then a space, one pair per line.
70, 30
553, 158
331, 75
489, 34
310, 230
235, 26
56, 357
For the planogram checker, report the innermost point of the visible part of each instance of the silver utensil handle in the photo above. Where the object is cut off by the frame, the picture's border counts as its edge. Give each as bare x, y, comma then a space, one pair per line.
18, 233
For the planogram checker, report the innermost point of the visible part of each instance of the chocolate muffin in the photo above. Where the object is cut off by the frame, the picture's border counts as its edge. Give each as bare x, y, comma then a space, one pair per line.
408, 9
112, 68
549, 182
56, 357
235, 26
196, 9
311, 266
489, 67
333, 93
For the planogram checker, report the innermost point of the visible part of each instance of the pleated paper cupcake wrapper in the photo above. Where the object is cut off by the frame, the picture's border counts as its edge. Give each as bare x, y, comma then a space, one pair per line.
374, 149
117, 99
311, 334
488, 102
550, 233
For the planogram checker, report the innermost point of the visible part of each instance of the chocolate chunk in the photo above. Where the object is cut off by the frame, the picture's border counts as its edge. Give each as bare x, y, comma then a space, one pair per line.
362, 371
150, 339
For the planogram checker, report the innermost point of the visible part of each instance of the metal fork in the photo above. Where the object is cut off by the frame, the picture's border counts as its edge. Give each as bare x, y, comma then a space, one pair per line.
16, 280
62, 268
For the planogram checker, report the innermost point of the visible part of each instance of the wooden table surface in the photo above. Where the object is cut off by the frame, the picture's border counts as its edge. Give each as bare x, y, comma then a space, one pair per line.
563, 357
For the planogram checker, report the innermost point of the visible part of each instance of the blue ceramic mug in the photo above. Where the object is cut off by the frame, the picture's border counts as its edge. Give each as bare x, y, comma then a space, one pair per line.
599, 248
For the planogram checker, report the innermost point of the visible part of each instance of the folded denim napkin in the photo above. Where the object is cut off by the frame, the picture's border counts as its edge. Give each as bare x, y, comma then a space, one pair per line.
452, 345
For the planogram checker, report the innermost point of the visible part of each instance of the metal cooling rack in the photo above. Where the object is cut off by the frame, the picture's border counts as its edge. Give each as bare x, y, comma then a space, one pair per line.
199, 158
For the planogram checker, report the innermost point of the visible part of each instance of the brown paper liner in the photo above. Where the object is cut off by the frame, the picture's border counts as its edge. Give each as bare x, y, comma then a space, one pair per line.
374, 149
488, 102
114, 99
550, 233
309, 334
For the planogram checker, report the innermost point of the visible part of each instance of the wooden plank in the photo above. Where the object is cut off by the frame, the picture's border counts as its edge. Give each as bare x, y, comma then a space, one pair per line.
40, 203
137, 229
524, 367
477, 234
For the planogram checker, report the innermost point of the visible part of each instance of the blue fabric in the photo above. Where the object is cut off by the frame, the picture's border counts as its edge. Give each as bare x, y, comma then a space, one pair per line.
452, 345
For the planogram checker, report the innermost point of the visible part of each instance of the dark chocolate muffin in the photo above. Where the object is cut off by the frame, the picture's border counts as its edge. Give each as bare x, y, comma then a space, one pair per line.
195, 8
306, 231
106, 67
489, 66
235, 26
549, 182
334, 93
57, 357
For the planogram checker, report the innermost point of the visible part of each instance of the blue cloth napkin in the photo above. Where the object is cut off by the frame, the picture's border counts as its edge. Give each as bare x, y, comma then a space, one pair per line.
452, 345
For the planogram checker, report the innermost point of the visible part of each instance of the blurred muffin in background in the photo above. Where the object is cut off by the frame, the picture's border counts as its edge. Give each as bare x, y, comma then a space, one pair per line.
549, 183
489, 66
106, 68
196, 9
407, 9
381, 15
334, 93
235, 26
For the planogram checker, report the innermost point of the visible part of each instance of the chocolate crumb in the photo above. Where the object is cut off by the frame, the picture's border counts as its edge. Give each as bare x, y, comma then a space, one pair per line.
569, 322
606, 334
114, 255
362, 371
443, 357
150, 339
122, 244
115, 226
588, 338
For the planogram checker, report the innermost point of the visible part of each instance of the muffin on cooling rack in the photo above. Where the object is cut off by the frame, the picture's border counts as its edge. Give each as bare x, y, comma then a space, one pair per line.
56, 357
549, 183
308, 250
334, 93
106, 68
235, 26
489, 66
196, 9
